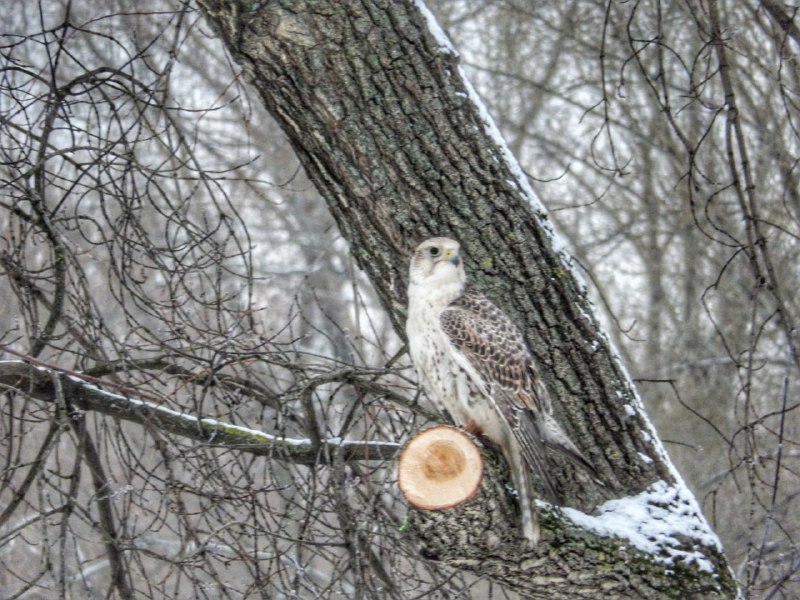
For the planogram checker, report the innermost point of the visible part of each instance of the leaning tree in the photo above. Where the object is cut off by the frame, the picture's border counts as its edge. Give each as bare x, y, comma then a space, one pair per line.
209, 442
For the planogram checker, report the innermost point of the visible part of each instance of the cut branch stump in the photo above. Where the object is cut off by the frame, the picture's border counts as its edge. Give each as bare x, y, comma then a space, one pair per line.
458, 491
440, 469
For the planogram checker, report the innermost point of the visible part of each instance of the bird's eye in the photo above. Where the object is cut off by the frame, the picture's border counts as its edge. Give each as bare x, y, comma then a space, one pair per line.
434, 251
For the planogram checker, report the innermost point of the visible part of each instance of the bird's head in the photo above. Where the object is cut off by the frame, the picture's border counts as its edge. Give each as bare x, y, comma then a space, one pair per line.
437, 262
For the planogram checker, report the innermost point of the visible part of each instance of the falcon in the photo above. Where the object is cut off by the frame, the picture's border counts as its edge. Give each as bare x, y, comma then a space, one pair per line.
472, 362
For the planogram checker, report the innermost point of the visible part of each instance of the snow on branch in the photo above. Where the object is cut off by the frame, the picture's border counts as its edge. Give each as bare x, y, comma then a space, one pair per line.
56, 386
663, 522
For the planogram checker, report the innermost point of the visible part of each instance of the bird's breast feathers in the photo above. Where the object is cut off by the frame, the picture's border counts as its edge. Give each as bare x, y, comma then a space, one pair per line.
446, 374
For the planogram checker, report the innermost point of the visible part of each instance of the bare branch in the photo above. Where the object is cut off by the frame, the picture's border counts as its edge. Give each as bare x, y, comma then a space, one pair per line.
82, 395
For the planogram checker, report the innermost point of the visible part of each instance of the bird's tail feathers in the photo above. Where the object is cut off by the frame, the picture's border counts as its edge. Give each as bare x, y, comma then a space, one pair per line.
556, 438
533, 449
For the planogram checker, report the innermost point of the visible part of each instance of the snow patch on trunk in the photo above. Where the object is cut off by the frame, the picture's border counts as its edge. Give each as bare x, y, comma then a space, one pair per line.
659, 521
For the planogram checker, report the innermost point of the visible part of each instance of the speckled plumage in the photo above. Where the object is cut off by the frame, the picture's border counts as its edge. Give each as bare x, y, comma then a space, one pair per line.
472, 362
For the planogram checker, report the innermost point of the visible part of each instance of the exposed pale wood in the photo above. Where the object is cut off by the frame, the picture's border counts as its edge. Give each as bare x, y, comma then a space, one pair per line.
439, 469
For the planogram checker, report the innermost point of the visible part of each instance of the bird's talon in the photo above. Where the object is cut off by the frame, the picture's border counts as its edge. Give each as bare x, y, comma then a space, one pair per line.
472, 428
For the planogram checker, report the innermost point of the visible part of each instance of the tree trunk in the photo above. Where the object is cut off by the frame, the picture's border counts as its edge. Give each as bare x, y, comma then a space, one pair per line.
374, 102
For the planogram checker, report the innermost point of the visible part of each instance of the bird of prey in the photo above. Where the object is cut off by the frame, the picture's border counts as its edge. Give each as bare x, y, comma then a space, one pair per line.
472, 362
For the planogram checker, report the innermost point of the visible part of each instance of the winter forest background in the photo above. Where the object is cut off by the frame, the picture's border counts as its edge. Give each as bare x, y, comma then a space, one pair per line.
157, 232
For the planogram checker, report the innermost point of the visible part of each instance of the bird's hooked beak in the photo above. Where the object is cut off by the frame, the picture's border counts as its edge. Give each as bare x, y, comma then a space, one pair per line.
453, 256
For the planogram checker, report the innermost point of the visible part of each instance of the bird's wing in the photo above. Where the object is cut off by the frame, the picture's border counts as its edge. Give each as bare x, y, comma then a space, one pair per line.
495, 350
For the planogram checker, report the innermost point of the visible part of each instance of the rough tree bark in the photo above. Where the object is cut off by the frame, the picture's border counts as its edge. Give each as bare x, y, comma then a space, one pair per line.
380, 115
